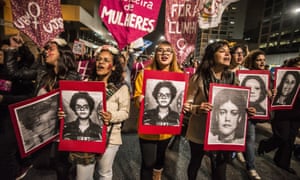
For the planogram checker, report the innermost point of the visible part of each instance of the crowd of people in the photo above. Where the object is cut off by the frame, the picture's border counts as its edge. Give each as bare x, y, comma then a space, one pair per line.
23, 77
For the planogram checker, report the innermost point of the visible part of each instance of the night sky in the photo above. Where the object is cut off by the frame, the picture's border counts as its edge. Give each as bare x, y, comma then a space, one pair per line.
252, 21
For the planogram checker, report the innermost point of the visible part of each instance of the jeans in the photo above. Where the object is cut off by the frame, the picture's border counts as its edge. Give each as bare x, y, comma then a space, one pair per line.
84, 172
285, 127
153, 156
9, 155
105, 162
250, 145
219, 160
103, 168
197, 154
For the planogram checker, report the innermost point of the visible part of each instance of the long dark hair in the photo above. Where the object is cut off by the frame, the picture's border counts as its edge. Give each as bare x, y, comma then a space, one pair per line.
208, 61
65, 64
290, 97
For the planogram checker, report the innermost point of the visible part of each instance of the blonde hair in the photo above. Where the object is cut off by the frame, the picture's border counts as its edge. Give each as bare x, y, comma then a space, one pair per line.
174, 67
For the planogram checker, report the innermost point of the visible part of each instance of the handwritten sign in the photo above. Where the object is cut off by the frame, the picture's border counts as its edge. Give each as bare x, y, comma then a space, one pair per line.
181, 26
39, 20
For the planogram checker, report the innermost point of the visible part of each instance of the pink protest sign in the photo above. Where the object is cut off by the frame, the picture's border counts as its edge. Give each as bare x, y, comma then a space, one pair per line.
39, 20
129, 20
181, 26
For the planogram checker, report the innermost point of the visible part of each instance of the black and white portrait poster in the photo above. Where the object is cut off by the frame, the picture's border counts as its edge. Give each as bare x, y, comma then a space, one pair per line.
35, 122
162, 105
227, 122
82, 128
287, 88
259, 83
78, 47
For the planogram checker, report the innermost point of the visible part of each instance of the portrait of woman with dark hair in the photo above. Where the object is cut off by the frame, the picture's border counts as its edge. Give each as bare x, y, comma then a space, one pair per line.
228, 117
83, 128
258, 93
287, 88
164, 93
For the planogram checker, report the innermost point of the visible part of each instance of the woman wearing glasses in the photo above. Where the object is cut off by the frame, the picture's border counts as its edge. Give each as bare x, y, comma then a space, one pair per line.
238, 53
83, 128
163, 93
153, 147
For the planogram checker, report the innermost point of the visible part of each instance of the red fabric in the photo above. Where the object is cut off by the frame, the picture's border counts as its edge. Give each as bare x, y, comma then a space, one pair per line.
181, 26
129, 20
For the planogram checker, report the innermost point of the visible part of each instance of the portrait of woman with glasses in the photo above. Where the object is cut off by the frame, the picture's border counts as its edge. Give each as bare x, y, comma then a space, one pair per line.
83, 128
164, 93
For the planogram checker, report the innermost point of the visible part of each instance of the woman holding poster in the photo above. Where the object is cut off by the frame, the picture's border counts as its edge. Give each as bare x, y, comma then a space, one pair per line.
256, 60
212, 69
153, 147
108, 69
60, 65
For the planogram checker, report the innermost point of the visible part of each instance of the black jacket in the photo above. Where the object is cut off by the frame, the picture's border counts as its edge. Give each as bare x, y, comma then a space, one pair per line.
36, 73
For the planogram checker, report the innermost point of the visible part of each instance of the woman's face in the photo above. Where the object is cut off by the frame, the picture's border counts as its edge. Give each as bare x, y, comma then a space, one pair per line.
228, 117
255, 89
52, 54
164, 54
260, 62
289, 84
222, 57
238, 57
164, 97
82, 108
104, 63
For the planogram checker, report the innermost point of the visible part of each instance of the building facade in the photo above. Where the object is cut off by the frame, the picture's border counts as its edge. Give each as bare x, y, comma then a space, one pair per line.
280, 27
231, 27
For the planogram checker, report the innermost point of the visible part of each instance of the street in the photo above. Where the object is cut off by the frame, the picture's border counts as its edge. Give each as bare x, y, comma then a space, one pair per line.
127, 162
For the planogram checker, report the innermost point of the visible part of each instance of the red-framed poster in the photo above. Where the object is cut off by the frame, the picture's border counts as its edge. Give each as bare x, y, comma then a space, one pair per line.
259, 82
82, 129
226, 124
161, 108
35, 122
287, 87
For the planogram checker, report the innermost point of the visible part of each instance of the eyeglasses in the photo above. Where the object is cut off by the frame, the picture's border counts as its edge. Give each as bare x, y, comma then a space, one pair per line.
82, 108
161, 95
164, 51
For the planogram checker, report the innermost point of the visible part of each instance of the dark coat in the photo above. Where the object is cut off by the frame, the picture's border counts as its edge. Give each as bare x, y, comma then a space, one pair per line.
151, 117
92, 133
